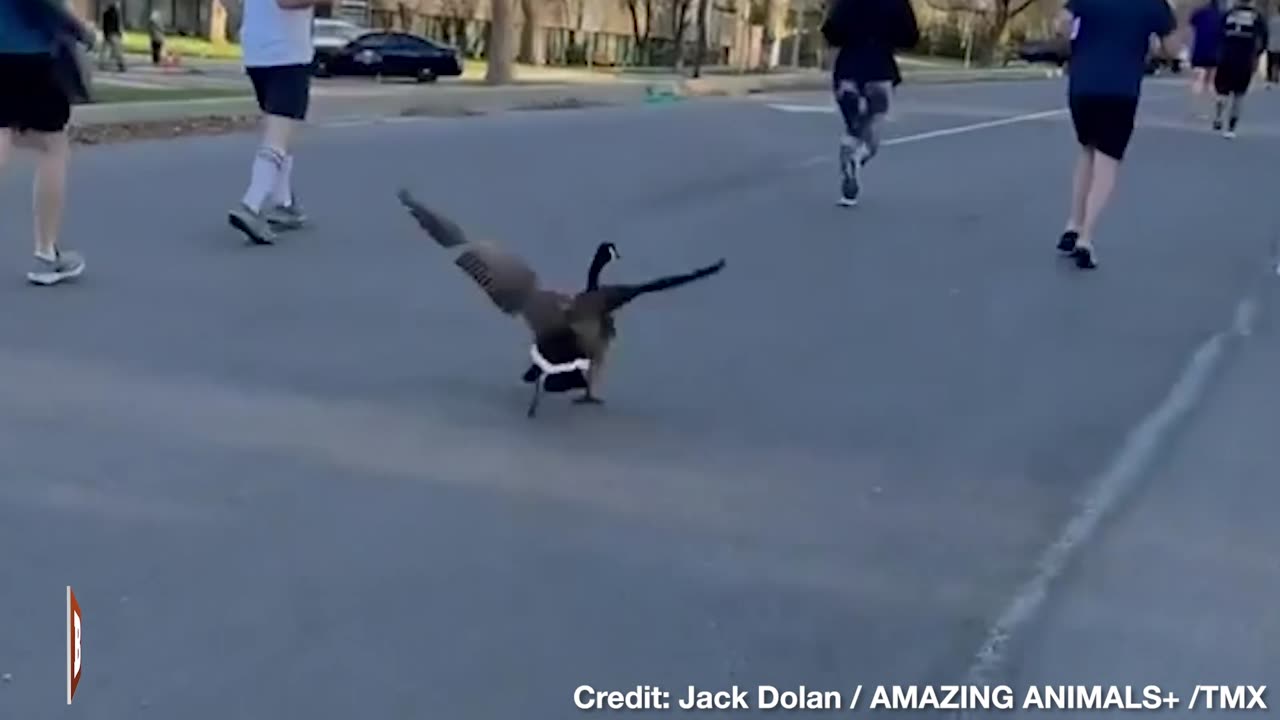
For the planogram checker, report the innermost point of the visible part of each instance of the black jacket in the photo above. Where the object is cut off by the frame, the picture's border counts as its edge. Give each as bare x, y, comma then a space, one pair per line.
867, 33
111, 21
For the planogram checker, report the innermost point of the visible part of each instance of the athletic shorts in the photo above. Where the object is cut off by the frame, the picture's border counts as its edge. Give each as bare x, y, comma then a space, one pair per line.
30, 96
1104, 122
1204, 61
282, 90
1233, 78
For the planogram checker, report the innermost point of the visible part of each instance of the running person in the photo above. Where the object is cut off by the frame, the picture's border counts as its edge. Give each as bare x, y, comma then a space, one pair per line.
35, 105
276, 41
1273, 49
1109, 45
1244, 38
864, 76
1206, 28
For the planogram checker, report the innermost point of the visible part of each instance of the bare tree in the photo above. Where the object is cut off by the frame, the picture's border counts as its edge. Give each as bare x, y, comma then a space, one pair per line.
641, 31
704, 8
533, 39
500, 51
995, 14
679, 29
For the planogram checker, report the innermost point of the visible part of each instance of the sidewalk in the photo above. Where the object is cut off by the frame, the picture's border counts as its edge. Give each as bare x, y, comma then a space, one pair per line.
357, 100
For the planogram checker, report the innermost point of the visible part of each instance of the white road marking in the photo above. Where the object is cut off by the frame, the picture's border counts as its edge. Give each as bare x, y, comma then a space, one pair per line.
821, 109
945, 132
1117, 481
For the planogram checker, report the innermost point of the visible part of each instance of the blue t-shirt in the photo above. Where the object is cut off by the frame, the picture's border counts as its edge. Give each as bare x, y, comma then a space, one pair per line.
1109, 44
1206, 23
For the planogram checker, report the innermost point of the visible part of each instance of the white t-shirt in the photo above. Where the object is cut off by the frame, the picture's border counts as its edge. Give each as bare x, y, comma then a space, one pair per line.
271, 35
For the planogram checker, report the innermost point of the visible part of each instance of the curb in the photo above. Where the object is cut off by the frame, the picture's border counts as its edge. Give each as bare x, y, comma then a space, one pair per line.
480, 100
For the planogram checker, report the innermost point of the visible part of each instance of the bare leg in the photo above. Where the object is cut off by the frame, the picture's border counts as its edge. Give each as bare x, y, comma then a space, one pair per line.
50, 190
6, 145
1080, 185
1102, 182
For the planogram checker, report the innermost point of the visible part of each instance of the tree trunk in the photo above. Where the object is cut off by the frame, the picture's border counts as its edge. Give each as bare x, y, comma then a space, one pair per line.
775, 17
679, 29
533, 45
500, 51
704, 7
218, 22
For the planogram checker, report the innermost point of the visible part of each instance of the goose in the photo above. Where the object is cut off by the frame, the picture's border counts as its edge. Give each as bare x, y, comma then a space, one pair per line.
571, 332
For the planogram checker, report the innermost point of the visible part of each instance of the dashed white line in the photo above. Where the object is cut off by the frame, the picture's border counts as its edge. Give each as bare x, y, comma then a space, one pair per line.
1119, 478
945, 132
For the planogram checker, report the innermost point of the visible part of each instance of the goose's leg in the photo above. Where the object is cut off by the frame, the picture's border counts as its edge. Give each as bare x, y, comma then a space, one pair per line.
537, 392
593, 381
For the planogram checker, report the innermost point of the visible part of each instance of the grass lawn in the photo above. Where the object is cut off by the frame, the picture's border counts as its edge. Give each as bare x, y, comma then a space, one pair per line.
135, 42
107, 93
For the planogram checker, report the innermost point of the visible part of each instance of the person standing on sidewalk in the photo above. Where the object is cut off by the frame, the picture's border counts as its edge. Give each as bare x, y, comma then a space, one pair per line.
112, 37
1110, 41
1244, 39
276, 40
37, 40
867, 32
155, 28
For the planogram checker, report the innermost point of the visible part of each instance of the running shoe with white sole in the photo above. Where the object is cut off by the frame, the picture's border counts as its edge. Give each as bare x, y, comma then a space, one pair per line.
252, 224
65, 265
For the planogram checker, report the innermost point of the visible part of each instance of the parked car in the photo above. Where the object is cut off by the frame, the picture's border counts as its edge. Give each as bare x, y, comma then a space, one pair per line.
392, 54
1051, 52
1058, 52
330, 36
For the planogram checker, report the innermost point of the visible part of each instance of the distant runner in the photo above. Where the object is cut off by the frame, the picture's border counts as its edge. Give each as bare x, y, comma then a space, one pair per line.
1110, 41
1206, 27
1273, 49
1244, 38
865, 73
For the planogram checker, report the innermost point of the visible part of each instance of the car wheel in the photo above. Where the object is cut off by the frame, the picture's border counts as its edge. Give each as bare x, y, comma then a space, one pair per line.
426, 76
322, 68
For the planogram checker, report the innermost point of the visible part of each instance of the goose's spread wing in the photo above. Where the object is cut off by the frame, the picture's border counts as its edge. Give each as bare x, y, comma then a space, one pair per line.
504, 277
508, 281
608, 298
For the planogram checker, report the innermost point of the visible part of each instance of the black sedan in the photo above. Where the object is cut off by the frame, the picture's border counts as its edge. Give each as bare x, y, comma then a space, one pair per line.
391, 54
1058, 52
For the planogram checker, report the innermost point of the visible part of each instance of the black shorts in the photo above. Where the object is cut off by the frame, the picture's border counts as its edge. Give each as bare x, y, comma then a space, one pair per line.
282, 90
1104, 122
1233, 78
30, 96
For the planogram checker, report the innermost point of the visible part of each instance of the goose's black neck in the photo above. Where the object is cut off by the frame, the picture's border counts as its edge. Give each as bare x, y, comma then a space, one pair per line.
602, 258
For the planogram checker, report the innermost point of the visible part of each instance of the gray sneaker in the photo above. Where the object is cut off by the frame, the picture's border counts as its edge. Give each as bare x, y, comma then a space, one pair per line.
851, 176
286, 217
65, 265
253, 225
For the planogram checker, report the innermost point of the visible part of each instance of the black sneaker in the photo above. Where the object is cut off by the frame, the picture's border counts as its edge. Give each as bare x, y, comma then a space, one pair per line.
1217, 126
1083, 255
1067, 243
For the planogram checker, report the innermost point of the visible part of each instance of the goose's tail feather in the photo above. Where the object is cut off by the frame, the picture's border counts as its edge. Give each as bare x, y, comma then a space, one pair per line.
442, 229
620, 295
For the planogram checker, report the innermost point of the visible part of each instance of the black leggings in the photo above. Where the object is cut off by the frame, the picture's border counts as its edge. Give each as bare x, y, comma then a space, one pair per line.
155, 52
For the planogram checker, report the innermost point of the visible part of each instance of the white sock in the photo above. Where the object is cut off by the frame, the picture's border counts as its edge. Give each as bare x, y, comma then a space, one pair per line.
50, 256
283, 193
266, 168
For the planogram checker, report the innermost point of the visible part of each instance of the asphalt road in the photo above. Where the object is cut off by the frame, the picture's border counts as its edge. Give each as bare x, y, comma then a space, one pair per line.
297, 481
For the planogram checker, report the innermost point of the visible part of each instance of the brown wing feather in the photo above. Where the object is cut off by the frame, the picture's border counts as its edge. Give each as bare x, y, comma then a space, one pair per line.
507, 280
